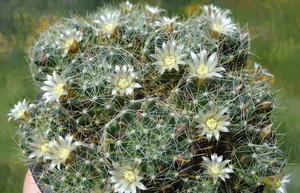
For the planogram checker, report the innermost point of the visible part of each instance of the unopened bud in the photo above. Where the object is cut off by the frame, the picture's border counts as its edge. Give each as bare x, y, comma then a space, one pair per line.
82, 30
42, 59
266, 131
139, 114
180, 128
244, 159
120, 135
85, 102
243, 36
238, 89
265, 104
179, 159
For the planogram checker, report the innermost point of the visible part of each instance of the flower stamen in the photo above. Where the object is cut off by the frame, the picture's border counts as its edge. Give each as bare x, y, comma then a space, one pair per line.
170, 61
20, 113
214, 170
123, 84
44, 148
109, 27
64, 153
211, 124
202, 70
217, 27
59, 89
129, 176
69, 43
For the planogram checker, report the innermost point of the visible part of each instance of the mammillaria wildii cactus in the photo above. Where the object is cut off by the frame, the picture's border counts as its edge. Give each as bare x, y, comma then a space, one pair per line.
134, 101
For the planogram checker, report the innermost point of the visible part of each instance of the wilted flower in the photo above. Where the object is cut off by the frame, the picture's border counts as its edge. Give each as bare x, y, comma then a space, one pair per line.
40, 146
259, 73
109, 23
122, 81
20, 111
56, 87
168, 57
60, 151
204, 67
216, 167
278, 182
167, 23
69, 41
220, 24
126, 178
211, 123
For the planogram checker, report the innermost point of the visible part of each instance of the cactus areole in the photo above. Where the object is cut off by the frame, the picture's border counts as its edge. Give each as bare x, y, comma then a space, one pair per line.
134, 101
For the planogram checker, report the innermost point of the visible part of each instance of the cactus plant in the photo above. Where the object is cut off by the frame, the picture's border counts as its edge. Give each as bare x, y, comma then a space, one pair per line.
134, 101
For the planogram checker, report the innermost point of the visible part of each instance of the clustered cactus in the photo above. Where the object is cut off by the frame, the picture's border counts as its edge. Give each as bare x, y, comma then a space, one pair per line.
134, 101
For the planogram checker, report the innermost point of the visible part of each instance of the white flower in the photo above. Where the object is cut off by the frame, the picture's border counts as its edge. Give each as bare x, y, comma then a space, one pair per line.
168, 57
122, 81
20, 111
40, 146
108, 23
60, 151
167, 23
278, 182
216, 167
126, 178
69, 41
204, 68
211, 123
56, 87
220, 24
126, 7
211, 9
153, 10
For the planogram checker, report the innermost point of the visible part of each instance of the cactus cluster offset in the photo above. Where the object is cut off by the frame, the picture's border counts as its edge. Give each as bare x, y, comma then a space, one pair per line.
134, 101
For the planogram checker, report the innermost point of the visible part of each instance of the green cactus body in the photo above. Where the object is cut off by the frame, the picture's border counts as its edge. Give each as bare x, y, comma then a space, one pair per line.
134, 101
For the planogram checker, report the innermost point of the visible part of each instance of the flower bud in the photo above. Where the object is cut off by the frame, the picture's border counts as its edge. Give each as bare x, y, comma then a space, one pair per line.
266, 132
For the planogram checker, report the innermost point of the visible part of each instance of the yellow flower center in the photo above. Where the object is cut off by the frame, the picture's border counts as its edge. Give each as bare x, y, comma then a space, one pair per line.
59, 89
123, 84
211, 124
20, 113
214, 170
44, 148
167, 22
64, 153
170, 61
217, 27
69, 43
202, 70
108, 27
129, 176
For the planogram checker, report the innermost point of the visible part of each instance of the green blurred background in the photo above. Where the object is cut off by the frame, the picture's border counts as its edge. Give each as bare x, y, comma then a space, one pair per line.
274, 26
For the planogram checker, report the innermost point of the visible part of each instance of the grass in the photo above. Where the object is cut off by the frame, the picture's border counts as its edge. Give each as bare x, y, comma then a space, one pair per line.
276, 44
